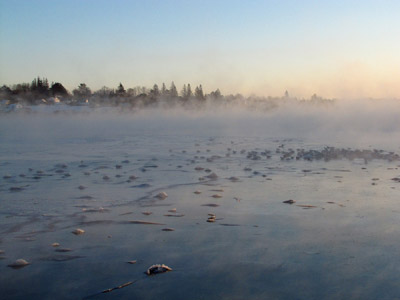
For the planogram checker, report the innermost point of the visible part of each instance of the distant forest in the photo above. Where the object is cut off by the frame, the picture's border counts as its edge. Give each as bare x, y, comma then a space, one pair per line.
39, 91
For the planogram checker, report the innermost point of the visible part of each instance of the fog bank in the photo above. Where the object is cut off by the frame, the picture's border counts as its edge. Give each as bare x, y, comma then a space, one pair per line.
366, 123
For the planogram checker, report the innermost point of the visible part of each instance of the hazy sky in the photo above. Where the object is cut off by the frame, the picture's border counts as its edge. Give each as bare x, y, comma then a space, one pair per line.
332, 48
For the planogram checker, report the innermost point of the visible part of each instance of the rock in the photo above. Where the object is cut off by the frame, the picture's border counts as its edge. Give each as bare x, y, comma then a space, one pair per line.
55, 245
306, 206
63, 250
217, 196
78, 231
19, 263
94, 210
211, 205
211, 218
290, 201
144, 223
157, 269
197, 192
212, 176
15, 189
162, 195
233, 179
168, 229
174, 215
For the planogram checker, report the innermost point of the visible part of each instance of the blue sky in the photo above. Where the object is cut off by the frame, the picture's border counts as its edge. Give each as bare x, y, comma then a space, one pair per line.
333, 48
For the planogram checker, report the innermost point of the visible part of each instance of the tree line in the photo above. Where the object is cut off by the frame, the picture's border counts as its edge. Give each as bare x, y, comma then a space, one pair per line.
40, 91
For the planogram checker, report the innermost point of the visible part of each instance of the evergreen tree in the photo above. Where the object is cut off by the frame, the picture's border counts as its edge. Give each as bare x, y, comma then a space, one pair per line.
216, 94
286, 94
199, 93
184, 91
173, 91
45, 84
34, 85
120, 90
155, 92
189, 92
164, 91
40, 87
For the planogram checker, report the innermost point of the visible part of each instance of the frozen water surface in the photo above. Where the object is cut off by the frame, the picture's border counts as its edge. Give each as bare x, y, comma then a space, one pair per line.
339, 240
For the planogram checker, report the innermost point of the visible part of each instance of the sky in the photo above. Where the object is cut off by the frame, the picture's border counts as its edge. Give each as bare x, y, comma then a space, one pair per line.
337, 49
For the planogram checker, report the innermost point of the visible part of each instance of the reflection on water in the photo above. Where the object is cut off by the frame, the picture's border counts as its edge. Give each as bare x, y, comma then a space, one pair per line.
339, 240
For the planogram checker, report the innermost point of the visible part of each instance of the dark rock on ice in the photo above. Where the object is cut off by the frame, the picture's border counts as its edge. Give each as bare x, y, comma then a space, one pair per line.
290, 201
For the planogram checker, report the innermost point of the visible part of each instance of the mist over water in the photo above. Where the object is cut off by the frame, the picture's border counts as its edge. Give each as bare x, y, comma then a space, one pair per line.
347, 123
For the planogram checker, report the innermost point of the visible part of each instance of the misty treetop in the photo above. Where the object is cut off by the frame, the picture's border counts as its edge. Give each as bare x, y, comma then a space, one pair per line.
39, 91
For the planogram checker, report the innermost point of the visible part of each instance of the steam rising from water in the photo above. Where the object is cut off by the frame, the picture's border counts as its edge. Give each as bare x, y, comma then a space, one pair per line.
366, 123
